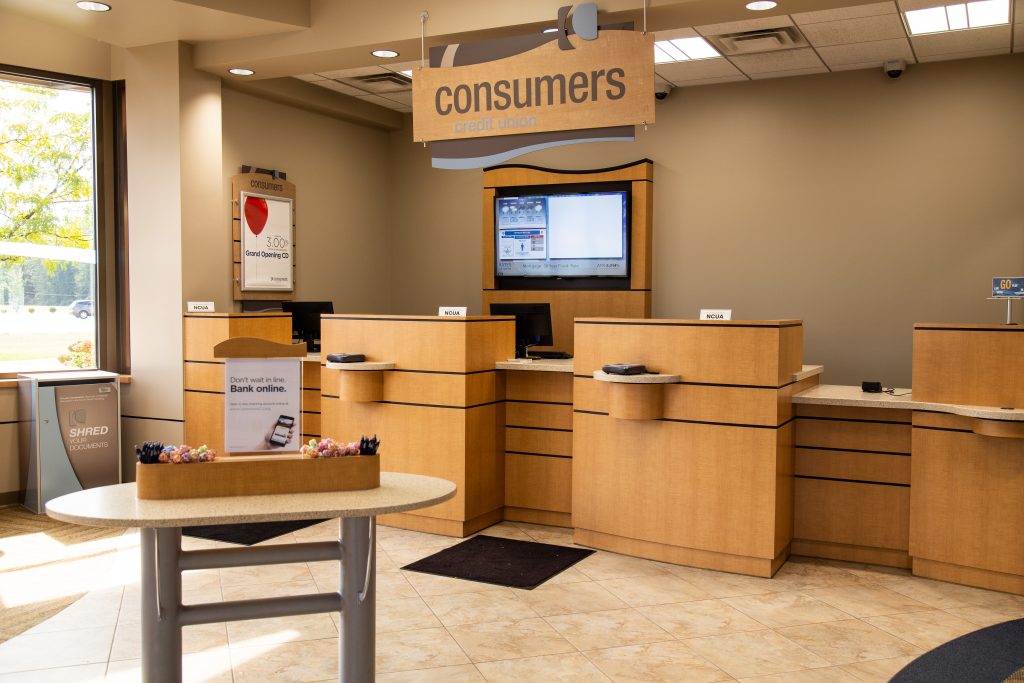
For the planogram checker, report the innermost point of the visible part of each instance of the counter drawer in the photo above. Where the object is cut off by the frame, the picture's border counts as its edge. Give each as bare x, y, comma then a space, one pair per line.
538, 482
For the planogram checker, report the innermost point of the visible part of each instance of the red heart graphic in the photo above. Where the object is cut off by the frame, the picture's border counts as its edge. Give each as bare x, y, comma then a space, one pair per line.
255, 214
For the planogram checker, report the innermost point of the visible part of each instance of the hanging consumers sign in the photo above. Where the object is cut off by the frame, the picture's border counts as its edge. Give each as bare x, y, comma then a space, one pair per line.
577, 84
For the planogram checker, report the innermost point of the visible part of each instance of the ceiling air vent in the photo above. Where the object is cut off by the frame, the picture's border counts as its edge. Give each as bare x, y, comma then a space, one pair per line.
382, 82
759, 40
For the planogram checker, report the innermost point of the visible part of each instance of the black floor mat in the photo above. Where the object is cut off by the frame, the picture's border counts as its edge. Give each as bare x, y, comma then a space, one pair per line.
501, 561
247, 534
990, 654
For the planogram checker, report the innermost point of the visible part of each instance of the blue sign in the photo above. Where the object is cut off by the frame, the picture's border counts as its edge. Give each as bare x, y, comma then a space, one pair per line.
1008, 286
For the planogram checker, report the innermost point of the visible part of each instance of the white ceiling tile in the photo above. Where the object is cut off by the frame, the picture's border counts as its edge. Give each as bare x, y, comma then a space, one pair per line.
403, 66
789, 72
381, 101
962, 55
745, 25
873, 10
854, 30
783, 60
658, 80
907, 5
676, 33
970, 40
340, 87
854, 66
349, 73
712, 81
404, 98
867, 54
678, 72
309, 77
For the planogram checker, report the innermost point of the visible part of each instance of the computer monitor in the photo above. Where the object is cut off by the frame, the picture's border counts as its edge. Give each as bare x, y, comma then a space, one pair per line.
533, 324
306, 320
258, 306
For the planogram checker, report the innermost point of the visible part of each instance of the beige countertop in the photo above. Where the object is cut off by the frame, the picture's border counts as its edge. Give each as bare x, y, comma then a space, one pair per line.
808, 371
364, 365
647, 378
566, 365
117, 506
842, 395
536, 365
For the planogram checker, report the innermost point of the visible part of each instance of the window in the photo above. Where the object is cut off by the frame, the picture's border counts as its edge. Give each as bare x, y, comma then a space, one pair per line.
59, 302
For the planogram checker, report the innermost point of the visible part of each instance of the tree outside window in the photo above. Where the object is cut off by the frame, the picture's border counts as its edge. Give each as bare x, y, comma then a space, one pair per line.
47, 226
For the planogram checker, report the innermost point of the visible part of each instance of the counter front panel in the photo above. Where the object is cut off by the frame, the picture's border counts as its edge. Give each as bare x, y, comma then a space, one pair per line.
441, 410
852, 487
709, 482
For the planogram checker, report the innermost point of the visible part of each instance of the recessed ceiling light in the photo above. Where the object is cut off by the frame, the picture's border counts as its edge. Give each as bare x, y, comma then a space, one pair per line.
241, 72
386, 54
683, 49
762, 5
696, 48
550, 29
958, 16
93, 6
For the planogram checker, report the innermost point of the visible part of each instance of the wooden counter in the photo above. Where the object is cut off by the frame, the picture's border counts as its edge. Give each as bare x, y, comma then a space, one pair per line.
204, 374
852, 476
967, 502
441, 410
709, 484
538, 441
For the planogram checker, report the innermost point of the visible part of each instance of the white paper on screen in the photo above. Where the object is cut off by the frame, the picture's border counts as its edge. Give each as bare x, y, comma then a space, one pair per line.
585, 226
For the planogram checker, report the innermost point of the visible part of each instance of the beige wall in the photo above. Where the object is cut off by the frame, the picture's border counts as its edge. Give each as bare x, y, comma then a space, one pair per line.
205, 219
435, 229
9, 481
34, 44
342, 203
858, 203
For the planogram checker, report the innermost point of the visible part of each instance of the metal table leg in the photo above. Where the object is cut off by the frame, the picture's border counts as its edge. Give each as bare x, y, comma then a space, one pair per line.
161, 600
163, 615
357, 640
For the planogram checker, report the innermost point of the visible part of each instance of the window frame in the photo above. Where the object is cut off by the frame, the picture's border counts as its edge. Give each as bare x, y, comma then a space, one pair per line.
111, 211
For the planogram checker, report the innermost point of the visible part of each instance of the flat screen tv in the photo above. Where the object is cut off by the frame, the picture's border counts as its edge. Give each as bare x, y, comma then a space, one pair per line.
562, 236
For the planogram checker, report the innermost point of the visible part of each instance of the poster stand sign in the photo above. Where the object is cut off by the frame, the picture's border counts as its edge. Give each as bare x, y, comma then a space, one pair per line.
267, 252
262, 396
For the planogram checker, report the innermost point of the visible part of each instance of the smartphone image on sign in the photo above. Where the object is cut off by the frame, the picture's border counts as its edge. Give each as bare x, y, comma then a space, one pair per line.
279, 437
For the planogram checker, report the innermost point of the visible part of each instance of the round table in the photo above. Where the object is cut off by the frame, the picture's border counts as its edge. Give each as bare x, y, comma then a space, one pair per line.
163, 560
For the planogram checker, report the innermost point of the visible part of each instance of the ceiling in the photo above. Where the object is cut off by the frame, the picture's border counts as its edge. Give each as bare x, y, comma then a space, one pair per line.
820, 41
133, 23
327, 43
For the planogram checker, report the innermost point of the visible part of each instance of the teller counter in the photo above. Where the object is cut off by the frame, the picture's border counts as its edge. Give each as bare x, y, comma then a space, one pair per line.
695, 466
432, 394
204, 373
931, 480
538, 441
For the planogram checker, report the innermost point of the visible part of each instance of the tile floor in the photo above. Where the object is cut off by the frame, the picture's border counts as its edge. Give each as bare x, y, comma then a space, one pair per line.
608, 618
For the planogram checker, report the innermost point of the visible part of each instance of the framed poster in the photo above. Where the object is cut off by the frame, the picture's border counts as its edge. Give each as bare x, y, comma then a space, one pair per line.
262, 405
267, 252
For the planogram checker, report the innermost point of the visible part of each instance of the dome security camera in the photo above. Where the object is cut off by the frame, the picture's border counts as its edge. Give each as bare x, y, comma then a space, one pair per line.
662, 91
894, 68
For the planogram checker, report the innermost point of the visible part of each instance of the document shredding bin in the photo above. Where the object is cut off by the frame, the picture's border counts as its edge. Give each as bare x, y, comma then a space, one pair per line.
69, 434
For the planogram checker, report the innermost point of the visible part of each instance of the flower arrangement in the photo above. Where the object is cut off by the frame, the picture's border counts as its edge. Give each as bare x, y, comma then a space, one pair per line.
153, 452
329, 448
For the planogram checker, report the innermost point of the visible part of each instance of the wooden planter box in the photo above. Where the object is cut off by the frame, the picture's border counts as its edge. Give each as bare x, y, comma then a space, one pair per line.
256, 476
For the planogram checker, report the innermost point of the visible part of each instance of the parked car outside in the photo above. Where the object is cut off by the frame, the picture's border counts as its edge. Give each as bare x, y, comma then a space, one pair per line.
82, 308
